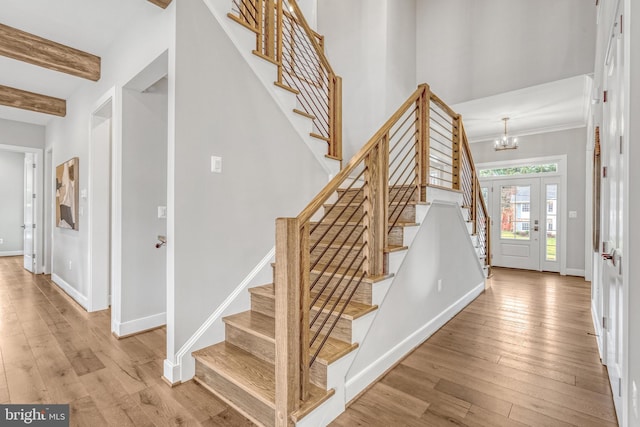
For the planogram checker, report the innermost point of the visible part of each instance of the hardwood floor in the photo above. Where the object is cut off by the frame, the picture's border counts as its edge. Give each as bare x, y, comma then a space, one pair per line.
522, 354
53, 351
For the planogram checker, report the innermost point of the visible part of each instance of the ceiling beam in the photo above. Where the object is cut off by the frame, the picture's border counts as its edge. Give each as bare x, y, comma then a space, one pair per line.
161, 3
23, 46
18, 98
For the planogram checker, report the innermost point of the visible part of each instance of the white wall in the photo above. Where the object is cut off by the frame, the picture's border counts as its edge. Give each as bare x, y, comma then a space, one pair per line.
144, 188
632, 195
140, 43
413, 309
223, 224
572, 143
468, 49
21, 134
11, 202
371, 44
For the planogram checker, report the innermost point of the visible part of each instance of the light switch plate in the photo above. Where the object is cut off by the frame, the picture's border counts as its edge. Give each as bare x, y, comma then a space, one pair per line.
216, 164
573, 214
162, 212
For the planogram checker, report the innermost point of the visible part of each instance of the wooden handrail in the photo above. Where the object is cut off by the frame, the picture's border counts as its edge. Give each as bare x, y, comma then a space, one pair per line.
312, 35
358, 158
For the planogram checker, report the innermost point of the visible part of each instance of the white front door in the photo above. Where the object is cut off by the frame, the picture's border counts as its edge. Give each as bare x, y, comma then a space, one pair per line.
516, 223
29, 212
525, 222
612, 224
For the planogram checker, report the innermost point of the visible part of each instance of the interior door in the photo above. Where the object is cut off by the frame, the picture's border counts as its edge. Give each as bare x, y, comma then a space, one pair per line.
612, 224
516, 221
29, 212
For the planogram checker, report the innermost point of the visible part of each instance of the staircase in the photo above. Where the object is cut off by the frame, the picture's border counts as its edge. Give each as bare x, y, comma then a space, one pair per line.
284, 361
241, 370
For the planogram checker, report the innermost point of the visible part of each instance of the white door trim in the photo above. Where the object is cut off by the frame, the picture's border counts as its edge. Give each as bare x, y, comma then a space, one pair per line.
93, 297
39, 211
561, 159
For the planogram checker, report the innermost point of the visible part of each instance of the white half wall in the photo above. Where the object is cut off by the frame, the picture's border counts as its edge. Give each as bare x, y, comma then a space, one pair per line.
414, 308
224, 223
11, 202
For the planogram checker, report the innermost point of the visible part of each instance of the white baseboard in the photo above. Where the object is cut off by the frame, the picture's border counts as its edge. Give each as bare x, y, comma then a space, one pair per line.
171, 372
370, 374
11, 253
70, 290
597, 327
574, 272
139, 325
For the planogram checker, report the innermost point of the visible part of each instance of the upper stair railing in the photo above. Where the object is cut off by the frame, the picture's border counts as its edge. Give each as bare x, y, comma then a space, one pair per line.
284, 37
339, 240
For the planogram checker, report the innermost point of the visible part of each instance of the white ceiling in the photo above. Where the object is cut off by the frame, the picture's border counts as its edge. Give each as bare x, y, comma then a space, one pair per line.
88, 25
544, 108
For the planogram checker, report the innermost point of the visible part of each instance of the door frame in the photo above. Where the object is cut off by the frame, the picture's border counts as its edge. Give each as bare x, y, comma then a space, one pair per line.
95, 297
39, 187
561, 160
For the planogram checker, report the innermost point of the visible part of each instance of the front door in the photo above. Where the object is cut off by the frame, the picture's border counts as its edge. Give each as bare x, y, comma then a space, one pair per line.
29, 212
612, 224
525, 222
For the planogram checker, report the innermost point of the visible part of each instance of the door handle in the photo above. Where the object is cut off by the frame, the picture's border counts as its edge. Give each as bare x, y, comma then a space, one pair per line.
535, 228
23, 226
606, 256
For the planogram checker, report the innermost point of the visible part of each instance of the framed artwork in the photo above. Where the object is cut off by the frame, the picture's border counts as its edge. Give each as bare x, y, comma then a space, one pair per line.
67, 194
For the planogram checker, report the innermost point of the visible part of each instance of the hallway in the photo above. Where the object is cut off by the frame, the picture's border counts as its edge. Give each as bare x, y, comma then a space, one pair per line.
521, 354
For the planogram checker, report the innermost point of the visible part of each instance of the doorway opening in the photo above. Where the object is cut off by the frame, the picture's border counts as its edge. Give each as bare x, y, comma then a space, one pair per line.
526, 202
22, 208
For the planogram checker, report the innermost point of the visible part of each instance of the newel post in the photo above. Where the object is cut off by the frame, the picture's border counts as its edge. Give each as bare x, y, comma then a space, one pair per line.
288, 321
423, 142
270, 28
376, 194
457, 120
336, 118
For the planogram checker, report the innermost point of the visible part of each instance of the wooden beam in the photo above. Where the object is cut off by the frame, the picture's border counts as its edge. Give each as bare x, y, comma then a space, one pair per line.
32, 101
161, 3
23, 46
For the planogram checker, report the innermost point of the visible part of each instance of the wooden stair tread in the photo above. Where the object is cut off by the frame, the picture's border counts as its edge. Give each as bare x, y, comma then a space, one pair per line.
340, 223
315, 135
333, 350
352, 311
323, 244
253, 375
304, 113
342, 272
407, 202
253, 322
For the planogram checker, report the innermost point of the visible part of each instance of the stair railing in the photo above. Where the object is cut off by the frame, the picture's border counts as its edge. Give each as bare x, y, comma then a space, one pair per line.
284, 37
340, 238
474, 201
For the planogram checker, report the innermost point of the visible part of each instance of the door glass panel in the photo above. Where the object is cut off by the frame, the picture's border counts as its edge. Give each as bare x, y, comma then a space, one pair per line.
485, 194
551, 212
515, 204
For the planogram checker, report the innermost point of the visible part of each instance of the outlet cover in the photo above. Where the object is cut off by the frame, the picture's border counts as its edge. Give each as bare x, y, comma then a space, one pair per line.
439, 285
162, 212
1, 241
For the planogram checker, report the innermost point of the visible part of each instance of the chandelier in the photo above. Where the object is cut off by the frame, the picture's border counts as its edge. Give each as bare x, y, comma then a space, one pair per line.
506, 142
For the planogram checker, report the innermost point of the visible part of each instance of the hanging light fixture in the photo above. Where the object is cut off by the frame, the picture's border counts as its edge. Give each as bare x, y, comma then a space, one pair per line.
506, 142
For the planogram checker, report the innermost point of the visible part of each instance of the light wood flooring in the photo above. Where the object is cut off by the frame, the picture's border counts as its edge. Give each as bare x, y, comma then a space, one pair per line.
523, 353
53, 351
